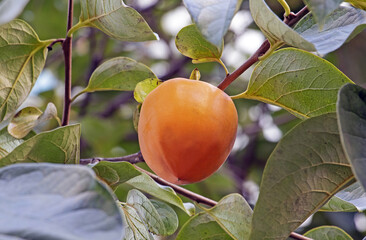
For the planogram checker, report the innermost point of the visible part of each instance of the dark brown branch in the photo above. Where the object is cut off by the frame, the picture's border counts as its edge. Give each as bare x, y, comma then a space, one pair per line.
290, 21
67, 48
59, 40
132, 158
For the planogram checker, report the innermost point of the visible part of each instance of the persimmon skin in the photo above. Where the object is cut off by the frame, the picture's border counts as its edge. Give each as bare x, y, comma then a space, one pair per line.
186, 130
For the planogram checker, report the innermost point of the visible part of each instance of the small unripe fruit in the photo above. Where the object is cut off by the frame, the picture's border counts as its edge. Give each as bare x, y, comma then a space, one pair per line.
186, 130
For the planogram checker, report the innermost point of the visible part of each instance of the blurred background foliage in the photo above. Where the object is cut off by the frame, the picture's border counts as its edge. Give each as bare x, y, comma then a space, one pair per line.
106, 117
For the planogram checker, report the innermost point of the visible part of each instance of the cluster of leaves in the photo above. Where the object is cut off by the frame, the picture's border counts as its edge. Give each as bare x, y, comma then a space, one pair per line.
317, 166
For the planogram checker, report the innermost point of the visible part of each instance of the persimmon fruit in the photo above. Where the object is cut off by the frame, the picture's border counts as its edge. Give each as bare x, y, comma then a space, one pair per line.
186, 130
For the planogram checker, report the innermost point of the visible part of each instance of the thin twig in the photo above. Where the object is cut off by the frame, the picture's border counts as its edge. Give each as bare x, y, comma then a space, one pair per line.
132, 158
290, 21
58, 40
299, 236
67, 48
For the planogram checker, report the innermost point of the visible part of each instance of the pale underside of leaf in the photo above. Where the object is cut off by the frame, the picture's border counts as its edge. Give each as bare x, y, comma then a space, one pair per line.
28, 209
7, 143
336, 30
213, 18
321, 9
305, 170
274, 29
298, 81
116, 20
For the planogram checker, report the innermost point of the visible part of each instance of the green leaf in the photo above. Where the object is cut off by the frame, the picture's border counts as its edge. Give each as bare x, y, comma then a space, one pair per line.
213, 18
202, 226
26, 119
135, 227
351, 111
61, 145
274, 29
327, 233
192, 44
144, 87
321, 9
232, 214
119, 74
350, 199
150, 216
298, 81
358, 3
22, 59
341, 25
115, 19
115, 173
136, 117
8, 143
144, 183
305, 170
54, 201
10, 9
167, 215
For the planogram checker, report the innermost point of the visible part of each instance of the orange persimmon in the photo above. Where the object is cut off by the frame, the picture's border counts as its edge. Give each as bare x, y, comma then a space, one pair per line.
186, 130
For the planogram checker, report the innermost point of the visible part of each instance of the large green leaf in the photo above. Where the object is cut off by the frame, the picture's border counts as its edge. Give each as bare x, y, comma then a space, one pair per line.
144, 183
350, 199
22, 59
115, 19
10, 9
213, 17
305, 170
53, 201
61, 145
327, 233
115, 173
342, 24
232, 214
351, 110
192, 44
135, 227
298, 81
321, 9
120, 74
157, 224
202, 226
274, 29
8, 143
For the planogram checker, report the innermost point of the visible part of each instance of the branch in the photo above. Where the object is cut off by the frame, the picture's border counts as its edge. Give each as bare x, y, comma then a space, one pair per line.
133, 158
67, 48
290, 21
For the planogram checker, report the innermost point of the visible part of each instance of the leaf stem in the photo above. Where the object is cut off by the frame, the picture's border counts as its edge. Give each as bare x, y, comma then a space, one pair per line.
54, 41
286, 7
290, 20
67, 49
76, 96
76, 27
223, 65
